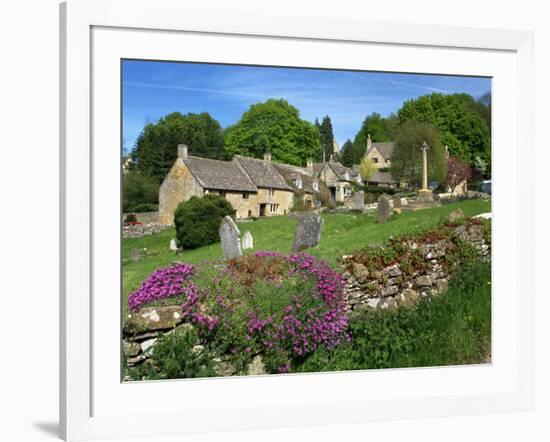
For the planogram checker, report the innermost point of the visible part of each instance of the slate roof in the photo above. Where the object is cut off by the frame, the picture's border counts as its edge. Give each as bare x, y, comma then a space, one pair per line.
340, 170
385, 149
219, 175
262, 173
290, 173
382, 178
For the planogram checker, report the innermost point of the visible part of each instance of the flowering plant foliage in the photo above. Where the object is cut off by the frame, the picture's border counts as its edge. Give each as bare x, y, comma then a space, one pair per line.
280, 306
164, 283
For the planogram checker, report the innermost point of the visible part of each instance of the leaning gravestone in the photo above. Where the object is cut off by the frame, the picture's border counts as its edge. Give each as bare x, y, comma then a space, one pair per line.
396, 202
384, 209
173, 244
248, 242
308, 232
358, 200
230, 237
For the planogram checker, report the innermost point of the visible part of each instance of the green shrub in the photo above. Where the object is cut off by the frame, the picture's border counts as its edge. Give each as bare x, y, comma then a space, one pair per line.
146, 207
298, 204
379, 190
198, 220
176, 355
130, 218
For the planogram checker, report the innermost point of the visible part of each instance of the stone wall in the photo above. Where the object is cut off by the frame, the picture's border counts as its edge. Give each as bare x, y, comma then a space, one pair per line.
394, 286
144, 217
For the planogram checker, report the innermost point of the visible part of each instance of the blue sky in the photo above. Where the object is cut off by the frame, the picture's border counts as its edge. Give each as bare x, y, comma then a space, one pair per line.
153, 89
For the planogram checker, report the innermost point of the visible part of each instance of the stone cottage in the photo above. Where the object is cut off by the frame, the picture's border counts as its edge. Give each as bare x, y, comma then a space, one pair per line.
338, 178
253, 187
379, 153
304, 183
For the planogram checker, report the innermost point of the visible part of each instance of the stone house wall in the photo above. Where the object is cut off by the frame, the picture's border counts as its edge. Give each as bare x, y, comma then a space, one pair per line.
250, 207
178, 185
375, 156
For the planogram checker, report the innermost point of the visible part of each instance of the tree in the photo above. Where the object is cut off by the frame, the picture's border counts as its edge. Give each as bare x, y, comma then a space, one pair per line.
347, 157
274, 126
380, 129
407, 160
457, 172
197, 220
367, 168
455, 117
327, 137
138, 189
156, 146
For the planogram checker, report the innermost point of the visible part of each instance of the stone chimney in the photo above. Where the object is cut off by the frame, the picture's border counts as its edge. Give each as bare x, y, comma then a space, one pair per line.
309, 166
182, 151
369, 142
267, 156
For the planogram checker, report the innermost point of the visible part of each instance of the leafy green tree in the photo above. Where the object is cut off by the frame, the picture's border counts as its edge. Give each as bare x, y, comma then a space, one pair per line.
327, 137
380, 129
156, 146
347, 156
460, 126
197, 220
367, 168
274, 126
138, 189
407, 163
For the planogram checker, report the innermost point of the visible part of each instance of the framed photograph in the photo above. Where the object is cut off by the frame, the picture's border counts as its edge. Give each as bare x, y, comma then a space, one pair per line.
275, 221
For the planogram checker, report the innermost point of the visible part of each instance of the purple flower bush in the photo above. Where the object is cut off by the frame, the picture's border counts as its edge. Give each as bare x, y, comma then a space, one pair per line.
283, 307
164, 283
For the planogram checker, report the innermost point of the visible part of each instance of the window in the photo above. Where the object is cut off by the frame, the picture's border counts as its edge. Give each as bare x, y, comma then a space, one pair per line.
271, 192
245, 195
346, 176
375, 160
347, 191
298, 182
273, 208
316, 186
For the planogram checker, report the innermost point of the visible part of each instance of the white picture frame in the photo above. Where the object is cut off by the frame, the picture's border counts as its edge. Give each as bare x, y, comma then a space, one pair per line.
84, 390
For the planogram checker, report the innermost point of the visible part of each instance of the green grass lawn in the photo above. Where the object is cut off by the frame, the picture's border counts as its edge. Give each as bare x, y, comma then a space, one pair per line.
342, 234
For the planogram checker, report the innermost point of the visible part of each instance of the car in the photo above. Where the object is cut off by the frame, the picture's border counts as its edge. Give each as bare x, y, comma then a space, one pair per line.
485, 187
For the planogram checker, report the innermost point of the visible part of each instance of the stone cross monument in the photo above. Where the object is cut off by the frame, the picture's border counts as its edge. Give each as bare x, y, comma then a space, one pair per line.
425, 195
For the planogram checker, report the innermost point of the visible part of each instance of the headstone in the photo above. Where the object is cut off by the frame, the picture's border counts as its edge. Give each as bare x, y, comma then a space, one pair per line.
173, 244
396, 202
384, 209
308, 232
358, 200
248, 242
135, 255
230, 237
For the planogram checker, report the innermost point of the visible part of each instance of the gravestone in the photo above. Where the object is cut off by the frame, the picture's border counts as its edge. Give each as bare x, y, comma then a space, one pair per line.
384, 209
230, 237
358, 200
173, 244
396, 202
308, 232
248, 242
135, 255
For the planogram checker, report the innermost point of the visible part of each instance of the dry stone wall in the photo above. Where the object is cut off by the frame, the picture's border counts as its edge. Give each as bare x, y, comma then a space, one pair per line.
394, 286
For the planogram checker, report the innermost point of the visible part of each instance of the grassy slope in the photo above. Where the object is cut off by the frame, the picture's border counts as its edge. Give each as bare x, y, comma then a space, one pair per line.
342, 233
